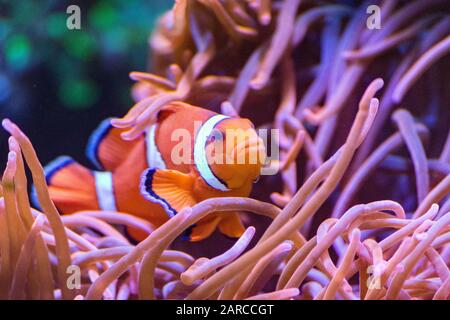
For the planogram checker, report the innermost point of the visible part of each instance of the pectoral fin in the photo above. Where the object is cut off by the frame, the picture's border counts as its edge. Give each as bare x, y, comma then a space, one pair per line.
231, 225
203, 229
228, 223
170, 188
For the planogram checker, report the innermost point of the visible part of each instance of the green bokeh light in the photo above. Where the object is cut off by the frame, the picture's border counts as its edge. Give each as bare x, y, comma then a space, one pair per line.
78, 93
34, 36
5, 28
80, 44
56, 25
115, 41
17, 51
103, 15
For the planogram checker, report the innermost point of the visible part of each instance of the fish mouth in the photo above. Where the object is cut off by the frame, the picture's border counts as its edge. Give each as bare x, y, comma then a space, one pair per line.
250, 151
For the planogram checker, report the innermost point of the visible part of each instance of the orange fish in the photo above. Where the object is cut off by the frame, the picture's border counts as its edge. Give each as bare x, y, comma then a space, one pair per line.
190, 154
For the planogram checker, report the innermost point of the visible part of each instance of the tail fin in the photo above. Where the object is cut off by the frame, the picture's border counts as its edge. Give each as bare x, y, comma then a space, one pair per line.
71, 186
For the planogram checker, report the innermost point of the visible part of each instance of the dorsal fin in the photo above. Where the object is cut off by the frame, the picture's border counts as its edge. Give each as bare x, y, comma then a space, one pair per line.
106, 149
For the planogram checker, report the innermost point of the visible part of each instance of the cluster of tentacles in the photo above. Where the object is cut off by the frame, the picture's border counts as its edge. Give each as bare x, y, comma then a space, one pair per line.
361, 209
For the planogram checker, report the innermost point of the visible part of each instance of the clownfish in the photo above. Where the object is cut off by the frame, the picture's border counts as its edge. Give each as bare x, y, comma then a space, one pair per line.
146, 178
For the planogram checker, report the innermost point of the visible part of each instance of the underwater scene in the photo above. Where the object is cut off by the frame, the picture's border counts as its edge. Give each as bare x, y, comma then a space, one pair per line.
225, 150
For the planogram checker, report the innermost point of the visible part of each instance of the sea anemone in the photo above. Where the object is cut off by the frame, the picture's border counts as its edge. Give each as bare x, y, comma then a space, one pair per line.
361, 207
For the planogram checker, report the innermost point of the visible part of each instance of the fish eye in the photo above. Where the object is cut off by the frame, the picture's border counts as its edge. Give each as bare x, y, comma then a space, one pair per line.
214, 138
217, 135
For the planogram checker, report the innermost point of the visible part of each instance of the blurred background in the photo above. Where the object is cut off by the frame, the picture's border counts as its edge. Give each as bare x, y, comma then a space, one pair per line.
58, 84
